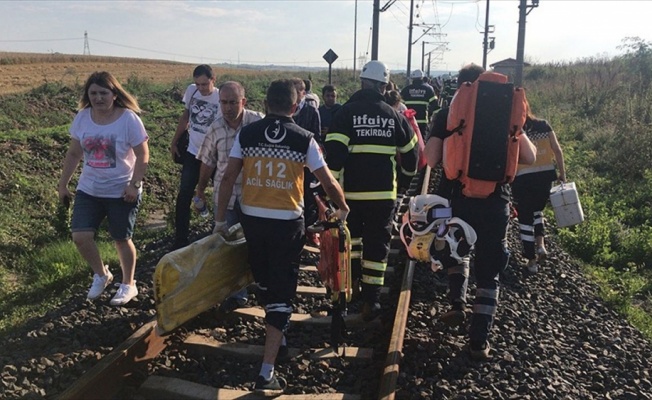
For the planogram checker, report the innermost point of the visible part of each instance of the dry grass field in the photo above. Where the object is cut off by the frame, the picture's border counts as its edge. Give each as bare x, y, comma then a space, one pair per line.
20, 72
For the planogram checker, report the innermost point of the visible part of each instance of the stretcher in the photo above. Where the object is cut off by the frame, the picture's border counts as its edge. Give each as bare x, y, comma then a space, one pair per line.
195, 278
334, 265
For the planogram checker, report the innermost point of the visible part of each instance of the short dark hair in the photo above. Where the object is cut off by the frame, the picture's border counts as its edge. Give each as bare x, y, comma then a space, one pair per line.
203, 69
469, 73
328, 88
281, 96
308, 84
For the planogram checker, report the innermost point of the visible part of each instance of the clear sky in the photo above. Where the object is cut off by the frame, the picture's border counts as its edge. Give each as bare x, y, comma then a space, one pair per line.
300, 32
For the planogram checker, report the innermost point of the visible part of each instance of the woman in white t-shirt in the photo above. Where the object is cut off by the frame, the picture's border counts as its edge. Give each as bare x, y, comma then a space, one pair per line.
110, 138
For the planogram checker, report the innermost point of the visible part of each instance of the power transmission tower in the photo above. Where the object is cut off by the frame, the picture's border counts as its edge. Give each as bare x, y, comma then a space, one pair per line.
87, 50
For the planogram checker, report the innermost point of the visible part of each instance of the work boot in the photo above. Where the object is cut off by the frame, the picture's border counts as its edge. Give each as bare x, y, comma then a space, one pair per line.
480, 353
454, 317
371, 311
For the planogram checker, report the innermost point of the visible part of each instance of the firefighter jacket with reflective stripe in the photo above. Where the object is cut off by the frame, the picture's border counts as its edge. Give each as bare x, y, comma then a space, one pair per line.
361, 146
274, 152
422, 99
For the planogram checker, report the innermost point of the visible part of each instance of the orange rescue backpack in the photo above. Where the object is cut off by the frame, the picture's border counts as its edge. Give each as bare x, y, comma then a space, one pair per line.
486, 118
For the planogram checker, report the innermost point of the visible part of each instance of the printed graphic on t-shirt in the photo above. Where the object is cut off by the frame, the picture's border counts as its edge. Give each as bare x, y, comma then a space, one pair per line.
99, 151
202, 115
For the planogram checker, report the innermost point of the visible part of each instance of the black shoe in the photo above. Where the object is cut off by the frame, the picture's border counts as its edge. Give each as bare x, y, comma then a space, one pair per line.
453, 318
231, 304
370, 311
269, 388
481, 353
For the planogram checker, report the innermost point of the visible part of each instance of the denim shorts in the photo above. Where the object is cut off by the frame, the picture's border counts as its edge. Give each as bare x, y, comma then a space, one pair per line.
89, 211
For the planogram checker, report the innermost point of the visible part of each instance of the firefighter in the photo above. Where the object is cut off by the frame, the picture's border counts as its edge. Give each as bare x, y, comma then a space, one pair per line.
420, 97
361, 146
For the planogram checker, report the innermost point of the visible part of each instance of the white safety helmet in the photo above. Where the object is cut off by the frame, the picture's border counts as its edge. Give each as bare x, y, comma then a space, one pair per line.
417, 74
427, 210
376, 71
455, 237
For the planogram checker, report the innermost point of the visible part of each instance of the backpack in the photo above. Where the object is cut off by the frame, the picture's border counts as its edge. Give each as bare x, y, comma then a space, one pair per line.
486, 118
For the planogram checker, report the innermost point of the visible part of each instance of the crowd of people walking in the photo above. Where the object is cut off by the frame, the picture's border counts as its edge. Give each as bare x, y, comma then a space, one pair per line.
362, 153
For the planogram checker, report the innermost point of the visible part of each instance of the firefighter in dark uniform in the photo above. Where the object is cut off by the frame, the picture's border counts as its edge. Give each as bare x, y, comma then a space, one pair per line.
420, 97
361, 146
272, 154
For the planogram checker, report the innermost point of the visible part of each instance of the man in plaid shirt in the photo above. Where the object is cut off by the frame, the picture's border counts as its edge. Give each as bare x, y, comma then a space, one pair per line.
214, 155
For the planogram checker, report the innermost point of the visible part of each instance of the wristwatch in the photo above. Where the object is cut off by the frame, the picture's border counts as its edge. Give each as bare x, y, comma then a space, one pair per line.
137, 184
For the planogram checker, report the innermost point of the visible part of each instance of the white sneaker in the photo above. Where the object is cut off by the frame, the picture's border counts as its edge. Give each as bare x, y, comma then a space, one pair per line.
99, 284
533, 266
124, 294
542, 254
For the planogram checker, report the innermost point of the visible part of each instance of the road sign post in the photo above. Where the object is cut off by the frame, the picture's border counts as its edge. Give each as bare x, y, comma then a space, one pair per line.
330, 58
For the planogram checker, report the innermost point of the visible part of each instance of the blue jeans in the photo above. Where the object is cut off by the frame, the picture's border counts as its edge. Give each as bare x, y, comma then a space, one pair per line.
89, 212
187, 185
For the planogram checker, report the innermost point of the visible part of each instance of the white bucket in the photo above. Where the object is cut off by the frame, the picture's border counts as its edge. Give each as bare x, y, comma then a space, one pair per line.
566, 205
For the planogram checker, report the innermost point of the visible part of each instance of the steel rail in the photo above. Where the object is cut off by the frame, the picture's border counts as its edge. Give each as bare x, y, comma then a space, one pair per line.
129, 360
387, 390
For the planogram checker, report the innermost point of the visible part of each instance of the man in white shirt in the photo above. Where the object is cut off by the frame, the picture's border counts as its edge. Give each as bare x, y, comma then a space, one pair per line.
201, 109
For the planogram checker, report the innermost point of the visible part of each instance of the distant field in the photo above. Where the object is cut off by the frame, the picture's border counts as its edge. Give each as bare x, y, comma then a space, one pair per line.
20, 72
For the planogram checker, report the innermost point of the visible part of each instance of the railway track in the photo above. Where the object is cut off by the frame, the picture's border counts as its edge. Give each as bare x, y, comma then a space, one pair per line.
213, 357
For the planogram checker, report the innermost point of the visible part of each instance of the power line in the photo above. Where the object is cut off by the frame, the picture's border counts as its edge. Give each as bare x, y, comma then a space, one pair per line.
37, 40
87, 39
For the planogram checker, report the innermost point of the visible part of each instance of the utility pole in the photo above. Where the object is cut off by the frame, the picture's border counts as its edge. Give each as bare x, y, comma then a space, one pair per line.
355, 37
374, 34
485, 42
87, 49
524, 10
423, 54
409, 53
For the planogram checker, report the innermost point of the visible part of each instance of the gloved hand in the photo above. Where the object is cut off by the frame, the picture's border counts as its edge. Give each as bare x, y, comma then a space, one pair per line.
220, 227
341, 214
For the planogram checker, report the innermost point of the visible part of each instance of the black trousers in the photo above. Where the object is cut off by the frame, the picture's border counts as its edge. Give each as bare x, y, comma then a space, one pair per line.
274, 247
489, 218
370, 225
531, 193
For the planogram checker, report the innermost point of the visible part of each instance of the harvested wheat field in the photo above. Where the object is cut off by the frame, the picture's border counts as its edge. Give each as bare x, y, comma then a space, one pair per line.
20, 72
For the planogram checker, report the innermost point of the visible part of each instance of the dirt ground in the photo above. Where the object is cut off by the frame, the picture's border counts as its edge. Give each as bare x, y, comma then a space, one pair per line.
20, 72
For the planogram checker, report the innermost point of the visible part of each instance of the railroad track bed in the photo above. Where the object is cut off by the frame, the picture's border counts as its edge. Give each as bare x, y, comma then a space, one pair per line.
226, 352
553, 338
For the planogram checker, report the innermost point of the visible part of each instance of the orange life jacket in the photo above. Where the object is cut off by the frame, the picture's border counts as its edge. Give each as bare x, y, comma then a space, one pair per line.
486, 118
